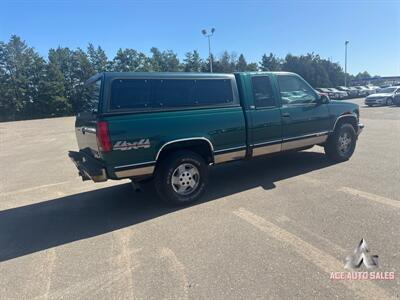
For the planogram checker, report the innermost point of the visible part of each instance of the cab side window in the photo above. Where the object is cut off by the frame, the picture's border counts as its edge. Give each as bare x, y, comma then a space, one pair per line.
295, 91
262, 92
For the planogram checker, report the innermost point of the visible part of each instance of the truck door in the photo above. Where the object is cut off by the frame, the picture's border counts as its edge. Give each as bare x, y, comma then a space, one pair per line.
304, 121
265, 132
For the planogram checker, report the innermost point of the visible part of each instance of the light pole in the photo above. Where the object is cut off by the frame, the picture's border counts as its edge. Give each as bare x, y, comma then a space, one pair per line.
345, 62
208, 35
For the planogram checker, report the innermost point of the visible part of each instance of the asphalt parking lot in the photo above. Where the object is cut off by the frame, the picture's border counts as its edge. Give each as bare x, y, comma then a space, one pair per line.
267, 228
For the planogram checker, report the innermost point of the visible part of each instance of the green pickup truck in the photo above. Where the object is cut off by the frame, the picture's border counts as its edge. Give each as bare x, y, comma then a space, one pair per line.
172, 126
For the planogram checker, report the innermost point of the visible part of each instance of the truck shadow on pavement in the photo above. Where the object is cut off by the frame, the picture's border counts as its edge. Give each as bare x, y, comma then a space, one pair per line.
40, 226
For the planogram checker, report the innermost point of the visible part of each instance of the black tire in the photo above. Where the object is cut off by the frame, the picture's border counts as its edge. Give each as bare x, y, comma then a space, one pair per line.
389, 101
168, 169
335, 149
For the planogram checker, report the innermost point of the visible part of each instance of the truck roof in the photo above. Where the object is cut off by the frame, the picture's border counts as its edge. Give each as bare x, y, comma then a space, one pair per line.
111, 75
263, 72
173, 75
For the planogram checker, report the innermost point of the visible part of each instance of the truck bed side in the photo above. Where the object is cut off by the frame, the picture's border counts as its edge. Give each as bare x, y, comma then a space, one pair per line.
137, 140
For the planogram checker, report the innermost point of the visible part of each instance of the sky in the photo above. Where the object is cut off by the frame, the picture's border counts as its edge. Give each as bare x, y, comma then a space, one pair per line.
249, 27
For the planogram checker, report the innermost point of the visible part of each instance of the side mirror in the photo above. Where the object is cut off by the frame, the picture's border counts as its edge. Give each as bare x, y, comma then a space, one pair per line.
323, 99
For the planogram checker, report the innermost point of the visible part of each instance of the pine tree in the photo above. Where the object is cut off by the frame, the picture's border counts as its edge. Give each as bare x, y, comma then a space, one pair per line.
192, 62
81, 71
270, 63
97, 58
18, 82
241, 65
51, 99
63, 59
166, 61
130, 60
225, 64
252, 67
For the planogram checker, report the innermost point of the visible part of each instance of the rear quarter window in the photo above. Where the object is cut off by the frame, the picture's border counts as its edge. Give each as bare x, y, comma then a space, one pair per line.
158, 94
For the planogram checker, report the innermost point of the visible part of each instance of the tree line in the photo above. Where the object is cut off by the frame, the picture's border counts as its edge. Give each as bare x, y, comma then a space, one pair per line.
32, 86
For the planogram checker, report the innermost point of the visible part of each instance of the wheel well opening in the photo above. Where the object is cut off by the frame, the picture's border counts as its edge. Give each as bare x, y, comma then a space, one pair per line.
347, 119
200, 147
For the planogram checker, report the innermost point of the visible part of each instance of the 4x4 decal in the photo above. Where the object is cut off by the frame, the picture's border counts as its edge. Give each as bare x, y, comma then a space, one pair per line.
125, 145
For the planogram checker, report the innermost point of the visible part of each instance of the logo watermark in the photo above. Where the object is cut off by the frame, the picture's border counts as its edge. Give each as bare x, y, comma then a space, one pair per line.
362, 257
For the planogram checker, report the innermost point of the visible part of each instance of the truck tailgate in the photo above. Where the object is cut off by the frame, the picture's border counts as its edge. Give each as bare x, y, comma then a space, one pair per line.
85, 130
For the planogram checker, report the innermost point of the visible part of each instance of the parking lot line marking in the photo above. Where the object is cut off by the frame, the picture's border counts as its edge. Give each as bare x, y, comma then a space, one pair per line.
285, 219
322, 260
177, 268
122, 238
51, 258
369, 196
87, 287
34, 188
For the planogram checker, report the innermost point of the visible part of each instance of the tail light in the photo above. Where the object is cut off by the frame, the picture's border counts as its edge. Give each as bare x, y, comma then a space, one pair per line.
103, 138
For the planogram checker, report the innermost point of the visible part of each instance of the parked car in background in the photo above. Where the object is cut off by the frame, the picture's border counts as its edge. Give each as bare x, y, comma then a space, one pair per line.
368, 89
357, 91
396, 97
373, 88
350, 92
327, 92
386, 96
339, 94
362, 91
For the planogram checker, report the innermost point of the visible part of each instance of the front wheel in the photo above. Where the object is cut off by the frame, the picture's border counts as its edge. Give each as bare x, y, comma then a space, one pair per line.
181, 178
389, 101
341, 144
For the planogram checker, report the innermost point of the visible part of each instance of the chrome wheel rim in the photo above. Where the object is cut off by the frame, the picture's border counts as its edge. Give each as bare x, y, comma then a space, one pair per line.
185, 179
344, 143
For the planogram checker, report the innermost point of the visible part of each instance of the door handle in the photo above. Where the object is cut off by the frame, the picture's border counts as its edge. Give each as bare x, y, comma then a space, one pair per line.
285, 114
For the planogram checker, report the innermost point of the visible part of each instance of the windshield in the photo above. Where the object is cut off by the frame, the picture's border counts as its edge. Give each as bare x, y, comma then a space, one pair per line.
387, 90
91, 97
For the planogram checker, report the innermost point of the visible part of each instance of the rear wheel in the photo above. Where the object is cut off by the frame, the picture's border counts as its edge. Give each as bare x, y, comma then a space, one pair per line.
341, 144
181, 178
389, 101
